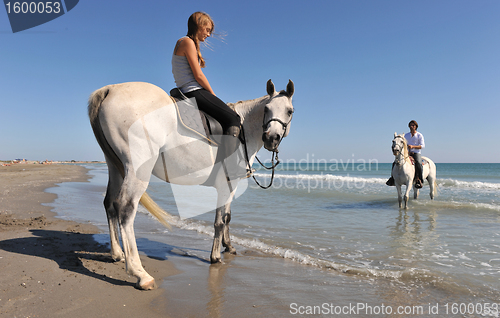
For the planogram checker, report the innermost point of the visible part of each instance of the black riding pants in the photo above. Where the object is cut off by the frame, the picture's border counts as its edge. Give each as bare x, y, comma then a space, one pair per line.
216, 108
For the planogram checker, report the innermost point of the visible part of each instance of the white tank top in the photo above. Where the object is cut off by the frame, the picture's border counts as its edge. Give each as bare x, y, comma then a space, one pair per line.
183, 75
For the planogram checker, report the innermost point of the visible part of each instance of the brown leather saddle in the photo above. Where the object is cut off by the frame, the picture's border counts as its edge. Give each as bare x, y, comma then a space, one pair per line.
196, 120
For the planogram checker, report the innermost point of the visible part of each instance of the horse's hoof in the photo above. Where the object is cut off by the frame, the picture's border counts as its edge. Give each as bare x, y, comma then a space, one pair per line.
150, 285
215, 260
119, 258
230, 250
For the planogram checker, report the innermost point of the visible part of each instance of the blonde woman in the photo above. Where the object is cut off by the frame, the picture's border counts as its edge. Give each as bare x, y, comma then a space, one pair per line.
187, 64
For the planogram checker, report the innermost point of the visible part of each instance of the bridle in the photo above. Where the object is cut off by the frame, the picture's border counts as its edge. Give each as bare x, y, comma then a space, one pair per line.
283, 124
275, 151
399, 150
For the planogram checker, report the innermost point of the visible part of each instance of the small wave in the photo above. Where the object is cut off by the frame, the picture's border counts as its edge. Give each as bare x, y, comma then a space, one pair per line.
412, 274
459, 205
468, 184
324, 177
486, 206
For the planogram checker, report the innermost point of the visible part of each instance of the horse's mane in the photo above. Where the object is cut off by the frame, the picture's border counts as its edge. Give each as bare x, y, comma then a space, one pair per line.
405, 147
244, 107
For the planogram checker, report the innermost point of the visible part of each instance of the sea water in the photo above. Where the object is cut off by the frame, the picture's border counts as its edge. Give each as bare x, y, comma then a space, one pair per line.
341, 219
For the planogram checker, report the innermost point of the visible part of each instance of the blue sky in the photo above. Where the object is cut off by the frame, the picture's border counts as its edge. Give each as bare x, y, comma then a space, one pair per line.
362, 71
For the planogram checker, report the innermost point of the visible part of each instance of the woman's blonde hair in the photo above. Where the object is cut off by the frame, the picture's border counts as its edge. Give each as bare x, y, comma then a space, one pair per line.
195, 21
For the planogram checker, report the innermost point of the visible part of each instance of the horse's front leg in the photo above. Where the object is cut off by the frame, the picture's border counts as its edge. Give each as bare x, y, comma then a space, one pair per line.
221, 234
400, 196
407, 193
226, 239
218, 227
225, 195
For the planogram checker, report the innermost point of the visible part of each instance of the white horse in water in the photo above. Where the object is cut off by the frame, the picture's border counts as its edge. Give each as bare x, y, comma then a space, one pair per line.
137, 127
403, 170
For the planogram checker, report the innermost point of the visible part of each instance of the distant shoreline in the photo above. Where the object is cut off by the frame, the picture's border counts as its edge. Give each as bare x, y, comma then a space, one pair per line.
20, 161
44, 162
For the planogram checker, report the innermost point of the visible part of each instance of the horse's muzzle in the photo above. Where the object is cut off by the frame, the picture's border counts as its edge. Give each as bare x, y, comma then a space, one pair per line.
271, 141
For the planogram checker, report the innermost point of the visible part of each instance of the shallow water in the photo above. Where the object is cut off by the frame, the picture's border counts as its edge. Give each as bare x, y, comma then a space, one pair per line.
342, 224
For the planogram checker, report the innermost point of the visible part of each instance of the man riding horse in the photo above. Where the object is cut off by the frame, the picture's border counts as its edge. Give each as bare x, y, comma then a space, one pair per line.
415, 141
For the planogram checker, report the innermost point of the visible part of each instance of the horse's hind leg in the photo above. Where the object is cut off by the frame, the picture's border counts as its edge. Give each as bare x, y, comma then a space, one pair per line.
114, 184
126, 204
432, 185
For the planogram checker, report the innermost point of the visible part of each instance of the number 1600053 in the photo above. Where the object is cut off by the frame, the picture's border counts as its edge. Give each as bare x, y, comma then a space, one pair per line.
33, 7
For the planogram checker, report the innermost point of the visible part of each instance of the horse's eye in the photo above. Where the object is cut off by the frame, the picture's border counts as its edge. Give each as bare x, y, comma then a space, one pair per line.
266, 109
290, 112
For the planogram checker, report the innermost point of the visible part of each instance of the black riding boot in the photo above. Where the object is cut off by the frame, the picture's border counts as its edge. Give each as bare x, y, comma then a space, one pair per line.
391, 182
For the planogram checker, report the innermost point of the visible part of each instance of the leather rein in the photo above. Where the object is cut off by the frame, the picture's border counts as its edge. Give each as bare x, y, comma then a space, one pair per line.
275, 150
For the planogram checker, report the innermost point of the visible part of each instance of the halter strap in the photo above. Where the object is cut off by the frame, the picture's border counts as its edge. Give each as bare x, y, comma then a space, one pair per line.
283, 124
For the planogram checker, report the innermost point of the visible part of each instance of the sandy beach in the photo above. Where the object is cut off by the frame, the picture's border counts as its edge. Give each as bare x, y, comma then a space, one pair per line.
54, 268
51, 267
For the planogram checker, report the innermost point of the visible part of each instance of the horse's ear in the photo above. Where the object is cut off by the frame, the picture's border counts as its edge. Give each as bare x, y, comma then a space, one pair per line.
270, 88
395, 134
290, 88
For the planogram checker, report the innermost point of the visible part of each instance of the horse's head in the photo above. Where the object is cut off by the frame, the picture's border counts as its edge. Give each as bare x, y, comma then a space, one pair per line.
398, 144
277, 116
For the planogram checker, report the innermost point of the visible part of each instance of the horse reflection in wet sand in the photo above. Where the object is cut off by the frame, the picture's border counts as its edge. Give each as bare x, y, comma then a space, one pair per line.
137, 128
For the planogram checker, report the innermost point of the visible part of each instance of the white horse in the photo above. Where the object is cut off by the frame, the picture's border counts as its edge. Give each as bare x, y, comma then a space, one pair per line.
403, 171
137, 128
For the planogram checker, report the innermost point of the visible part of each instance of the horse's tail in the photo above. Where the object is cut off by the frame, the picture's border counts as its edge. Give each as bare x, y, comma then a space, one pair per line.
161, 215
95, 102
